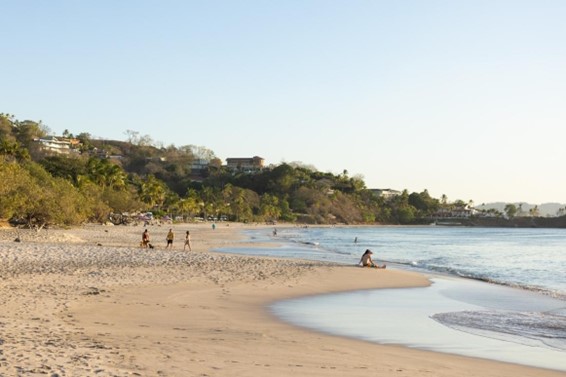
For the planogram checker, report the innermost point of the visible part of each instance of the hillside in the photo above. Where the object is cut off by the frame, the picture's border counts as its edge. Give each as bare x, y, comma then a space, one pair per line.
70, 180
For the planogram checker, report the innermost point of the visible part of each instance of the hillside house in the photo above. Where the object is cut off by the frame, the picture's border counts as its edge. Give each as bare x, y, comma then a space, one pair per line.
54, 145
198, 166
386, 193
248, 164
462, 212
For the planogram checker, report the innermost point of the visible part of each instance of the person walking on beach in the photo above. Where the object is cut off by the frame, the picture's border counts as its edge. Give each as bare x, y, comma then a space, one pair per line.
170, 237
187, 241
145, 239
366, 260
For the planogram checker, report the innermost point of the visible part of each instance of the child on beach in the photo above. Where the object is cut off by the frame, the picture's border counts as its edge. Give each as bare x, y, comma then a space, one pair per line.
367, 262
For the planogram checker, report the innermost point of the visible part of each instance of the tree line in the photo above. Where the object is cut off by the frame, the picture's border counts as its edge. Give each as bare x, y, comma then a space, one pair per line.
107, 177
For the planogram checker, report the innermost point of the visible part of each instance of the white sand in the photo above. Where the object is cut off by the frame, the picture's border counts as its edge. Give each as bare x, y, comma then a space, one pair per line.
90, 302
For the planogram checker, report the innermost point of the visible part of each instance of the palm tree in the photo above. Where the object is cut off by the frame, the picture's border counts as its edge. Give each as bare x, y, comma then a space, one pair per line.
208, 201
190, 204
534, 212
239, 206
269, 207
106, 174
153, 191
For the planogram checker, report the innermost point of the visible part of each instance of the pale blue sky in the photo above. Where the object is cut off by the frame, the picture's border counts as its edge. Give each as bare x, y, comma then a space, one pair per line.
463, 98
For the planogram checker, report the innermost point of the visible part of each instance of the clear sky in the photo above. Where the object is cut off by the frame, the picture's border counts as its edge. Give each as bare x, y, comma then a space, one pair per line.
463, 98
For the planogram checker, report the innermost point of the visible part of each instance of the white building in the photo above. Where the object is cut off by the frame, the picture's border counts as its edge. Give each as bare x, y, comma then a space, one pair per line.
386, 193
51, 144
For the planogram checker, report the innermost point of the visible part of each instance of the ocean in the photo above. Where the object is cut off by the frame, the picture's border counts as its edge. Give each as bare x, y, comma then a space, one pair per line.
497, 293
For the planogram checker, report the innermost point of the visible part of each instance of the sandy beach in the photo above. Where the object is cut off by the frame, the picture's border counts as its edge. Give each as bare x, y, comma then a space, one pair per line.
90, 302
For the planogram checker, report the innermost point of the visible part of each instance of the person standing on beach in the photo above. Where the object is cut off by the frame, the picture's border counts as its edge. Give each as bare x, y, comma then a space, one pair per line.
145, 239
170, 237
366, 260
187, 241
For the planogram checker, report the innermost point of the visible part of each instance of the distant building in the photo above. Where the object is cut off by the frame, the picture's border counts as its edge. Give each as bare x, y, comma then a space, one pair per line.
54, 145
386, 193
158, 159
456, 212
245, 164
100, 153
199, 165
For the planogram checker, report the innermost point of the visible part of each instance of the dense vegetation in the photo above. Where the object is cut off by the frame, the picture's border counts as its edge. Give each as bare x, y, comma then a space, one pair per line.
113, 177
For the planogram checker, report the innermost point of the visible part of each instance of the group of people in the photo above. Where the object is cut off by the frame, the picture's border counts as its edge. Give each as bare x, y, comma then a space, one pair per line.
365, 261
169, 239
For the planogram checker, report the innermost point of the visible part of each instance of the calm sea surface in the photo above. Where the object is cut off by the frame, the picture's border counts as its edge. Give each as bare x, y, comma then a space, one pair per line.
491, 287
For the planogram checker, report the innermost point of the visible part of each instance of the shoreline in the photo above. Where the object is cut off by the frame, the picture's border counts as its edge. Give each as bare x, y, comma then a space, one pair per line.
119, 310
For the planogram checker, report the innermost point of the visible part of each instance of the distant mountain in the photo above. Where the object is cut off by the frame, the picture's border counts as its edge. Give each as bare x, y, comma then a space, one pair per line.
545, 209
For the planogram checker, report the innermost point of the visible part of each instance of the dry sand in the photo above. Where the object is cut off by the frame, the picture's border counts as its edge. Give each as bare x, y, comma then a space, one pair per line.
90, 302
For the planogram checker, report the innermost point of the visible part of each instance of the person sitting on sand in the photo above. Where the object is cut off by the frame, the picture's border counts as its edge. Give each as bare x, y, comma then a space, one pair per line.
367, 262
187, 241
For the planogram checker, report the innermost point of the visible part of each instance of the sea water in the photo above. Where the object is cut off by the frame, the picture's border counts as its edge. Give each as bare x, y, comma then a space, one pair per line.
496, 293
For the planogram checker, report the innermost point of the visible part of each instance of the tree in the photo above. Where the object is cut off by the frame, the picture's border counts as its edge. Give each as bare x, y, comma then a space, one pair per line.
403, 211
200, 153
152, 192
28, 130
96, 202
106, 174
70, 168
135, 138
190, 204
7, 122
215, 163
120, 201
242, 204
13, 179
64, 204
13, 149
208, 202
405, 214
281, 179
424, 203
86, 143
34, 197
510, 210
286, 212
269, 207
460, 203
